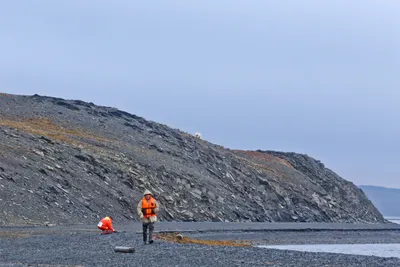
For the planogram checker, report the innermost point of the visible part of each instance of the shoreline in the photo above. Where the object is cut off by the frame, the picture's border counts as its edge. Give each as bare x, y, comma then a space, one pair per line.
193, 227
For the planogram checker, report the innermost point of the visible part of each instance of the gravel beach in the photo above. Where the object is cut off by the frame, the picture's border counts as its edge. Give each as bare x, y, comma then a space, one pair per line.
84, 246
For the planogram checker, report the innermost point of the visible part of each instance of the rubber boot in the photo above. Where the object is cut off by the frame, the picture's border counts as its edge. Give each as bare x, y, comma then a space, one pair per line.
144, 234
151, 229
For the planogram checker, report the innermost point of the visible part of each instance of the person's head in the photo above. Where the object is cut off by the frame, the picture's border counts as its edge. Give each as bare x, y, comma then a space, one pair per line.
110, 217
147, 194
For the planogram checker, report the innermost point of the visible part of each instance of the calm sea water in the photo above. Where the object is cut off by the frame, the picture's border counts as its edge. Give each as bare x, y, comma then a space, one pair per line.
380, 250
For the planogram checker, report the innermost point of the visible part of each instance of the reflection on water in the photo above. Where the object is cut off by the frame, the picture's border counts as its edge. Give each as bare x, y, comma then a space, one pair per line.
380, 250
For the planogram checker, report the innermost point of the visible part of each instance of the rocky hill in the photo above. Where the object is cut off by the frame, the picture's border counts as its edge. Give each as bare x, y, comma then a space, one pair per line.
72, 162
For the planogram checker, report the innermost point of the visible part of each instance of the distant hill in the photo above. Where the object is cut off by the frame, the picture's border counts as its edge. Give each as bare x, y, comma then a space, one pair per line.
387, 200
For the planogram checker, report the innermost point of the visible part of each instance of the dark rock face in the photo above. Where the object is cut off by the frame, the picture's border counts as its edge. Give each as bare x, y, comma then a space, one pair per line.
64, 161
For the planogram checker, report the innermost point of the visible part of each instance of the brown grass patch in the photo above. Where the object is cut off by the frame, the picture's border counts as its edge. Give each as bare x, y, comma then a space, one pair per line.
47, 128
4, 94
258, 166
172, 237
264, 157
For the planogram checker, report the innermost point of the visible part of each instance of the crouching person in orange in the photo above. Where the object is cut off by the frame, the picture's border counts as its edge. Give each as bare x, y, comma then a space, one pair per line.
105, 225
147, 209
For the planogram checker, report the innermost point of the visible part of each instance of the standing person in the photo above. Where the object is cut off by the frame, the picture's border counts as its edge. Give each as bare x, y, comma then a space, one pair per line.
105, 225
147, 209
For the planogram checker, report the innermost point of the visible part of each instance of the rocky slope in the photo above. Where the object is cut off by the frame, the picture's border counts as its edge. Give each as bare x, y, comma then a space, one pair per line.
72, 162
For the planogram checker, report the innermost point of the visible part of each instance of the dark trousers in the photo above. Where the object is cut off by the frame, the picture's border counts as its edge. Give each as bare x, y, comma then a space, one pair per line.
150, 226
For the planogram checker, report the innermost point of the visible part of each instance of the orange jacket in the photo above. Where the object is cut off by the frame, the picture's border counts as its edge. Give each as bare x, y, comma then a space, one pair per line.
148, 207
105, 224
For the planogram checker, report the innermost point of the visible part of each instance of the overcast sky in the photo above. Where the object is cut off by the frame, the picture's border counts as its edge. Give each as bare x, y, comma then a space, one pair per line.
315, 77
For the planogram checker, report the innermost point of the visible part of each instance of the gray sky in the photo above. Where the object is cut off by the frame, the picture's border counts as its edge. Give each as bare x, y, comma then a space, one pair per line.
315, 77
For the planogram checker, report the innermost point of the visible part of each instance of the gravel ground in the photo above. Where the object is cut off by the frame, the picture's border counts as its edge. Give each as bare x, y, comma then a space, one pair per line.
85, 247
